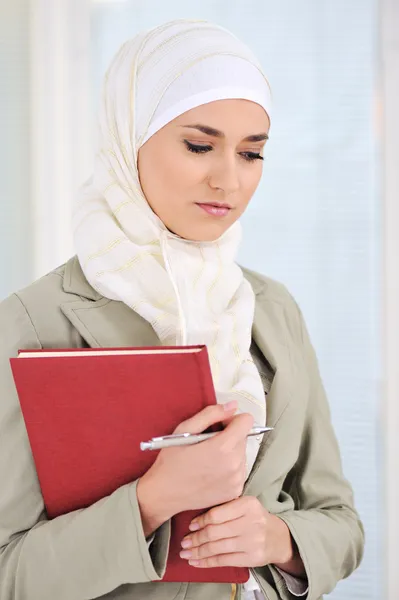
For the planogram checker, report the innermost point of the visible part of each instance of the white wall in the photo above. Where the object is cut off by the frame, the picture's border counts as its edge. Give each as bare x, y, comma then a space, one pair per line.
15, 168
60, 123
45, 128
390, 409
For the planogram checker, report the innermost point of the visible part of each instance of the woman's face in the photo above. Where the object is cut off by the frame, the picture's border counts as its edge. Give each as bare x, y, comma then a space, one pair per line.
199, 172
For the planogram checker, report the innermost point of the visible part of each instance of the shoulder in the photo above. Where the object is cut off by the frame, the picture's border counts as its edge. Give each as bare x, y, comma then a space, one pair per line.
267, 289
45, 290
66, 283
39, 295
33, 314
276, 310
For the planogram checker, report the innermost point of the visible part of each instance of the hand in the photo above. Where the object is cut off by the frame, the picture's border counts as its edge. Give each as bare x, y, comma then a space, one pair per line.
197, 476
241, 533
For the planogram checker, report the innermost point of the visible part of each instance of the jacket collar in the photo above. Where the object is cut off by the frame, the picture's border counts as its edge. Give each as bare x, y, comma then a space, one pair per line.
75, 282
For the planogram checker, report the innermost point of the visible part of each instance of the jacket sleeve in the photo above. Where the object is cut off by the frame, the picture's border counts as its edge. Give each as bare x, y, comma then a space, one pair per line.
83, 554
324, 522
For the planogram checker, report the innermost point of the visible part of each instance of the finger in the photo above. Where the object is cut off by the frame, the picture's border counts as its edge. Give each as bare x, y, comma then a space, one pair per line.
207, 417
225, 546
237, 559
220, 514
236, 431
212, 533
227, 421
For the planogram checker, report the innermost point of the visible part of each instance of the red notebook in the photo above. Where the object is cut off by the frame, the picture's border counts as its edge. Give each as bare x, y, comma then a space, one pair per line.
86, 412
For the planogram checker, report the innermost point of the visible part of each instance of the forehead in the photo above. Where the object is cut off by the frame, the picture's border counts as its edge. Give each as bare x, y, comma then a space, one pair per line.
231, 116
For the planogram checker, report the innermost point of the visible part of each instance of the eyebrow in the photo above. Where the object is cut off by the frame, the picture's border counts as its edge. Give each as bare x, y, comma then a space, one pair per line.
257, 137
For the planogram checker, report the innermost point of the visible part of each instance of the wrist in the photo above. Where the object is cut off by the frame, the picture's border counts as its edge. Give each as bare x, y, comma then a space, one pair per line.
289, 559
152, 515
154, 506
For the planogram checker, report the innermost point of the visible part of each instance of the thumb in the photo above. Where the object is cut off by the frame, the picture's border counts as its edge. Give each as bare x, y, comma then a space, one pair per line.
227, 421
207, 417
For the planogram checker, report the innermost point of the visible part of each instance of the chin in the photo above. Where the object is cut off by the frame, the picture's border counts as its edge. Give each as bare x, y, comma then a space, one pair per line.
202, 234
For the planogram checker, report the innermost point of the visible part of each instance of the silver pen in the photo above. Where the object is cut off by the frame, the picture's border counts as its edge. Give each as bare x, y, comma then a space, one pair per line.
188, 439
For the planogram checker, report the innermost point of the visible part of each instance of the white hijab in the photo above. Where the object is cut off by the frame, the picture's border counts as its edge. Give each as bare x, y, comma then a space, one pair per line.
190, 292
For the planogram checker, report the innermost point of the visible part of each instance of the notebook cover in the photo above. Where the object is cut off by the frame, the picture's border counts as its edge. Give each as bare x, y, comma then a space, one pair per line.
86, 416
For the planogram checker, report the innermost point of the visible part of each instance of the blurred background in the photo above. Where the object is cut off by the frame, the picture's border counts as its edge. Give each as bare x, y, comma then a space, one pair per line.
324, 220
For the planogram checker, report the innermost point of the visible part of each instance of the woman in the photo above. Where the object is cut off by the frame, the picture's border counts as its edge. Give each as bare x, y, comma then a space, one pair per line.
185, 116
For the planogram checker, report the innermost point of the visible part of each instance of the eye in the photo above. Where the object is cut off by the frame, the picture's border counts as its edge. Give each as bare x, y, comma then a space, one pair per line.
196, 148
251, 156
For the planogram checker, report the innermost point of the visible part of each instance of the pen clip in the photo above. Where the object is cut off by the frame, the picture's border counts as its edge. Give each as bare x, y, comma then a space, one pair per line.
171, 437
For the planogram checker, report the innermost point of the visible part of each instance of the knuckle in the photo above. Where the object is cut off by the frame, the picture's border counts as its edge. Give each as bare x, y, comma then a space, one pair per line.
251, 421
248, 419
238, 491
227, 496
196, 538
230, 545
233, 466
263, 540
202, 552
210, 518
238, 464
251, 502
214, 548
214, 516
218, 560
224, 449
181, 428
259, 558
238, 479
213, 410
264, 522
204, 521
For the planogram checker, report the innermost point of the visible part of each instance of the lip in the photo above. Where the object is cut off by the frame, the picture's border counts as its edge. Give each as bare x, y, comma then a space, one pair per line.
217, 204
215, 209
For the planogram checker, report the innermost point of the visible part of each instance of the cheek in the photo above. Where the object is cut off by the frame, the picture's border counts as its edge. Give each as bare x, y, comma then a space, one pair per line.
179, 173
158, 176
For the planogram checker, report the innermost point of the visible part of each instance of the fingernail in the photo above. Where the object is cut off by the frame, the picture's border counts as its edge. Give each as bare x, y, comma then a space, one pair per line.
230, 405
186, 543
194, 526
194, 563
185, 554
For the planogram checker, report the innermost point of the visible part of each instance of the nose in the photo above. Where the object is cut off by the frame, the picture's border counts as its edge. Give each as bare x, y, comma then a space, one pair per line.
224, 175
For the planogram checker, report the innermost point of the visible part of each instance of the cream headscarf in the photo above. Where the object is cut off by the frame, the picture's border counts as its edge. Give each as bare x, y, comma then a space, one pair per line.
190, 292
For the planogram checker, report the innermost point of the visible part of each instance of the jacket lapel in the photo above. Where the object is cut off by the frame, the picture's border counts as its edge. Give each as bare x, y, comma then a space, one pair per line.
269, 338
108, 324
101, 322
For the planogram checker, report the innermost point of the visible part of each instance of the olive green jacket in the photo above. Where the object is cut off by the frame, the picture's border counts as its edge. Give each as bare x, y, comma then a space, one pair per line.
101, 551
